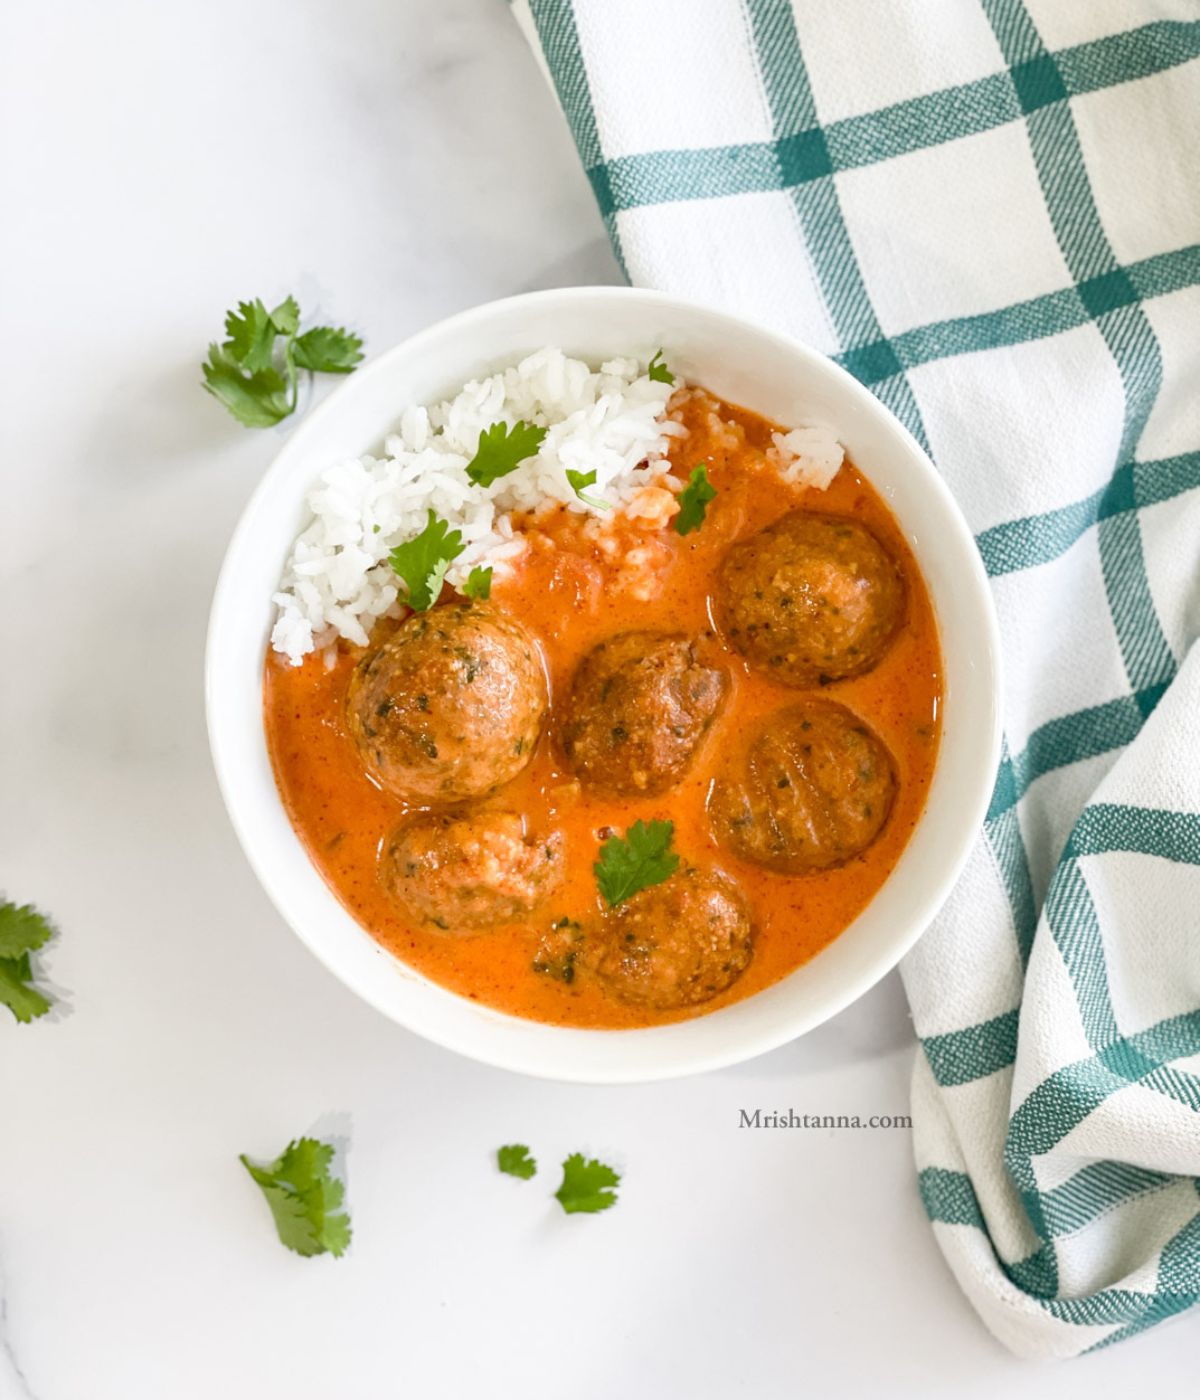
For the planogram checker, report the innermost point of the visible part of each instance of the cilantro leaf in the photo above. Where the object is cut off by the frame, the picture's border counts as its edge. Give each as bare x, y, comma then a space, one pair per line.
258, 400
694, 500
250, 336
422, 562
658, 371
22, 931
578, 480
478, 584
502, 450
304, 1197
641, 859
286, 316
586, 1186
327, 350
516, 1161
17, 991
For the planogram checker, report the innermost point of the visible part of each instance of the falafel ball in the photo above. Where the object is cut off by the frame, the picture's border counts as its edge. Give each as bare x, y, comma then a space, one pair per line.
676, 944
451, 705
639, 706
471, 870
811, 599
812, 790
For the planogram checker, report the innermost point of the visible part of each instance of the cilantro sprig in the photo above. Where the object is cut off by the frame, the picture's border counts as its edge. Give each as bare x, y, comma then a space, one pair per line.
256, 378
422, 561
514, 1160
305, 1197
694, 500
637, 861
502, 450
587, 1186
22, 932
658, 371
578, 481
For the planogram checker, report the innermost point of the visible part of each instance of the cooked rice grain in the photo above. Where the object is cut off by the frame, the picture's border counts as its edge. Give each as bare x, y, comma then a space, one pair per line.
338, 581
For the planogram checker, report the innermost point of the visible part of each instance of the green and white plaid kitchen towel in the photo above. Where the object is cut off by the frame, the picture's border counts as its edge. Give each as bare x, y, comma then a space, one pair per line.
989, 211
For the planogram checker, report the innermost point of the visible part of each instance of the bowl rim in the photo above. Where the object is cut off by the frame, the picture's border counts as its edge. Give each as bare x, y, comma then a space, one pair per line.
504, 1054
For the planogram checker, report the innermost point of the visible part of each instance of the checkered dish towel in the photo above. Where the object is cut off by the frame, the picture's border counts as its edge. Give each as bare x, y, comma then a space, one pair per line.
989, 211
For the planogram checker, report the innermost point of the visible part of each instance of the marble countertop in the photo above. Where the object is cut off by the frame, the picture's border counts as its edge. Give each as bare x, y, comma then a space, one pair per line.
390, 162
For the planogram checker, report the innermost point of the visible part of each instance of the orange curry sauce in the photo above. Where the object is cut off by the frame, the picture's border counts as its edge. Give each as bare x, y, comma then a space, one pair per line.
572, 593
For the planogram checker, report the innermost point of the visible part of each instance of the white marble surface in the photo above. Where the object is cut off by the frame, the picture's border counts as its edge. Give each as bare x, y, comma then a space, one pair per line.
390, 161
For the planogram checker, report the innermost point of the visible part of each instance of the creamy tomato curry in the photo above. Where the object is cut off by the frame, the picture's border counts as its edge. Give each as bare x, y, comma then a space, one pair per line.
769, 683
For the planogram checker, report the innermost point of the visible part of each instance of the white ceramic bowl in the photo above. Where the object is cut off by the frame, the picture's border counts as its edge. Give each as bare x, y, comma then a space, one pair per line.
769, 373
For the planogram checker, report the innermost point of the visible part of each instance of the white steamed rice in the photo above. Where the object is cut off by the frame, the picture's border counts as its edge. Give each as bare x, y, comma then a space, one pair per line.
338, 580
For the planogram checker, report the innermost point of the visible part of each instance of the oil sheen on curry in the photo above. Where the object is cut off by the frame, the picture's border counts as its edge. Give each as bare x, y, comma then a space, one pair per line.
767, 683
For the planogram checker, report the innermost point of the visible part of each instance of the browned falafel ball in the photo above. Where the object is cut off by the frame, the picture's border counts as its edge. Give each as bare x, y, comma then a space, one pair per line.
676, 944
811, 599
812, 790
451, 705
471, 870
639, 706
